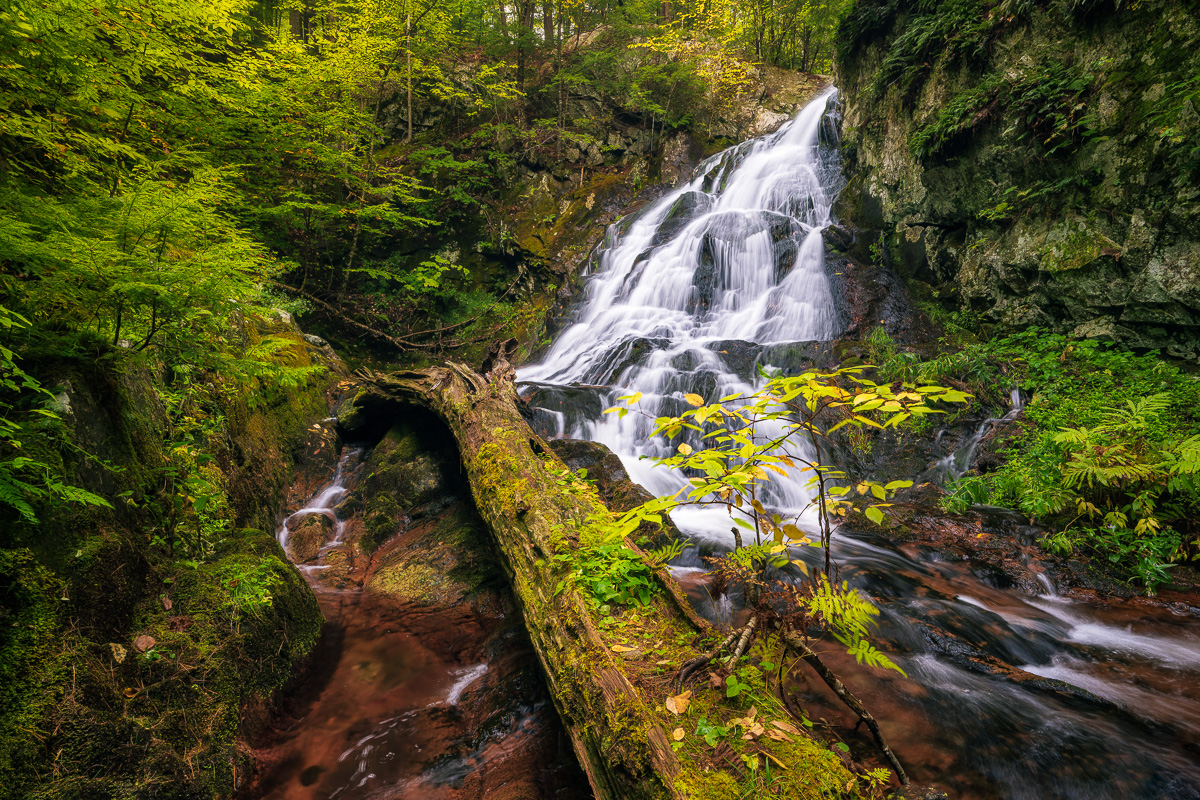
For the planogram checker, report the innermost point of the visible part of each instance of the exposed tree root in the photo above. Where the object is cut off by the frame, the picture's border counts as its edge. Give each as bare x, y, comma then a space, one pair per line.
739, 640
796, 643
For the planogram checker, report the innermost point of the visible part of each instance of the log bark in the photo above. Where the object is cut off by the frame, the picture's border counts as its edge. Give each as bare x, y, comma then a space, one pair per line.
515, 479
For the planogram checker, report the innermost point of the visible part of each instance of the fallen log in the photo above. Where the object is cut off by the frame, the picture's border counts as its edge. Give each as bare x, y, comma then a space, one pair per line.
608, 680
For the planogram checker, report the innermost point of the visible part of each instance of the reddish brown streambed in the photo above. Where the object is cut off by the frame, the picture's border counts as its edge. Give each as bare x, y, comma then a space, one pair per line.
1010, 695
437, 697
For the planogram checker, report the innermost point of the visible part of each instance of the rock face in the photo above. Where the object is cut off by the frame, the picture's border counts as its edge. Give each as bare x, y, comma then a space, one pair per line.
1041, 157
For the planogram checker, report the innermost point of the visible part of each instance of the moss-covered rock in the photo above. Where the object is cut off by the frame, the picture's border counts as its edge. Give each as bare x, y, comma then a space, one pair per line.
1042, 158
307, 534
412, 473
139, 643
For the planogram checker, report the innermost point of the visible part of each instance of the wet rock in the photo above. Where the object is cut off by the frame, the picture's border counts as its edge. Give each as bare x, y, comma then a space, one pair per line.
686, 208
970, 657
307, 535
316, 465
616, 489
919, 793
352, 417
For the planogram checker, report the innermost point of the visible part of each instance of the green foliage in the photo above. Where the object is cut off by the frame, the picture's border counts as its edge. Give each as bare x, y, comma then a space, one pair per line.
611, 573
738, 457
27, 480
1107, 454
965, 492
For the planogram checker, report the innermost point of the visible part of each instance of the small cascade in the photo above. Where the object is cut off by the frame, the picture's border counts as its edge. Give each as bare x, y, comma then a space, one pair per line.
953, 466
395, 713
714, 280
324, 503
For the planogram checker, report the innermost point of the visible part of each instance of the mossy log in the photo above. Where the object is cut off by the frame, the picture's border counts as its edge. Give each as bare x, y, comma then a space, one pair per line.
517, 486
609, 672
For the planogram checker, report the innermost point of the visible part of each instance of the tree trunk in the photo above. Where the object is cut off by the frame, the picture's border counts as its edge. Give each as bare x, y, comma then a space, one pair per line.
408, 61
516, 481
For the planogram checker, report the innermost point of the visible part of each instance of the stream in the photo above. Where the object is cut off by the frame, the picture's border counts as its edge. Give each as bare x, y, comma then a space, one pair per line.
726, 273
407, 699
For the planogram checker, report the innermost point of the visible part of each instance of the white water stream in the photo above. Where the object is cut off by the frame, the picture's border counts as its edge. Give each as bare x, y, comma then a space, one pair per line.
734, 256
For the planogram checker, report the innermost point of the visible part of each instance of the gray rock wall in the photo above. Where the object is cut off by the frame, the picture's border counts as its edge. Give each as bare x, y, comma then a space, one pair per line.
1042, 157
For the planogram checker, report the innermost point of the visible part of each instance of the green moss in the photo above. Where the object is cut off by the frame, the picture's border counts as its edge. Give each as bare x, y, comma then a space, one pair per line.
31, 662
707, 785
79, 722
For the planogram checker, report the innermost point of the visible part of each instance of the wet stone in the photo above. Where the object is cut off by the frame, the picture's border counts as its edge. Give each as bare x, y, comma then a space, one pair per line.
307, 535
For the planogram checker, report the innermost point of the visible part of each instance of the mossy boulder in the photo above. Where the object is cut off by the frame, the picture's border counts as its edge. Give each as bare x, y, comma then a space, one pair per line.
411, 474
307, 534
221, 618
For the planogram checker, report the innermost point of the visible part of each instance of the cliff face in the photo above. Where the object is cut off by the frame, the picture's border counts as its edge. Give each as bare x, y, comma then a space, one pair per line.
1042, 157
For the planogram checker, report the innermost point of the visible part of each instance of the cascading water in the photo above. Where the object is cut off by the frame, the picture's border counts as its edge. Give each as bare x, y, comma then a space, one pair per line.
399, 695
726, 273
734, 258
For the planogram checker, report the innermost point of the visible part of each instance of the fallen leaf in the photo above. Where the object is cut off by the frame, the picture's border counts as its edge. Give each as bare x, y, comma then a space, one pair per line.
776, 760
715, 681
144, 643
679, 703
677, 734
131, 692
754, 732
661, 663
118, 652
778, 736
167, 604
620, 648
785, 726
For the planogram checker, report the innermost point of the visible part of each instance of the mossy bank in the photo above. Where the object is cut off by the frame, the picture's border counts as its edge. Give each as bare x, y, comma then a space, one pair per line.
139, 643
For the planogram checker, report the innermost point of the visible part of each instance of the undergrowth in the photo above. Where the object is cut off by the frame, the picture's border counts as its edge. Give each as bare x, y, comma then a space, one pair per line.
1104, 455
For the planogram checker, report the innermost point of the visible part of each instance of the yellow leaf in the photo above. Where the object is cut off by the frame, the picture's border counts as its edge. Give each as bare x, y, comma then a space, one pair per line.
678, 704
694, 399
620, 648
685, 449
677, 734
633, 398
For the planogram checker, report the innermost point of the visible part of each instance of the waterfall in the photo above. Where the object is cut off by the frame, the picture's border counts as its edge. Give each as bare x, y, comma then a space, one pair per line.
693, 292
726, 274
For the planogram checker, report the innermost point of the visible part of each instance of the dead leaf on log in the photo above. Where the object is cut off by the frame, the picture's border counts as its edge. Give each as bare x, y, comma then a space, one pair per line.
679, 703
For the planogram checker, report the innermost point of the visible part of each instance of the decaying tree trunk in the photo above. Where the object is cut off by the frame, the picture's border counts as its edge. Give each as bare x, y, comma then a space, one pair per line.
620, 744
